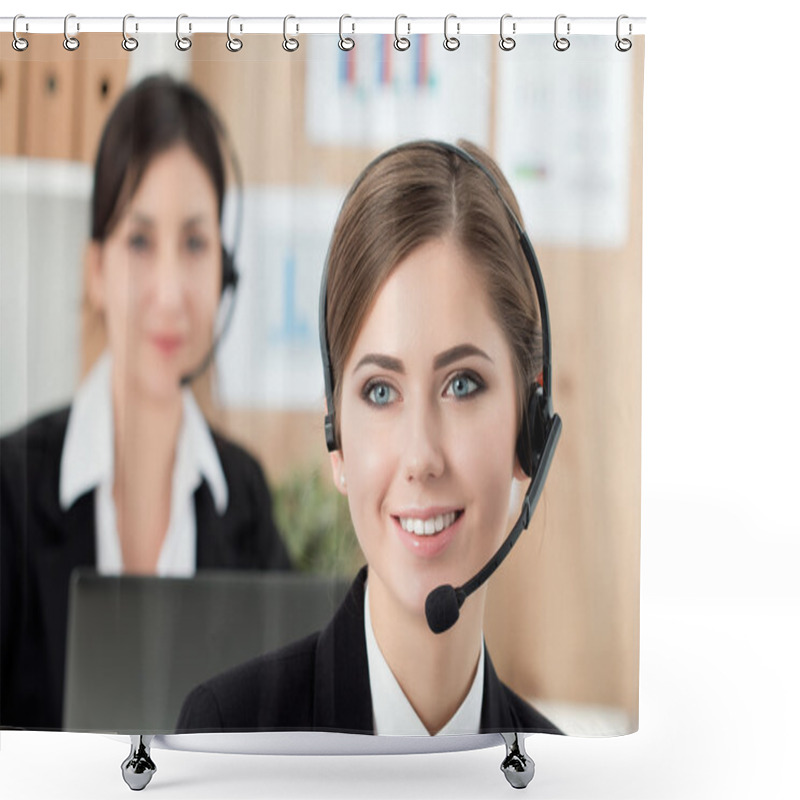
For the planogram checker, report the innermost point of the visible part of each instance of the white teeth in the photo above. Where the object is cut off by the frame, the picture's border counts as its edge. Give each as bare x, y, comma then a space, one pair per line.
428, 527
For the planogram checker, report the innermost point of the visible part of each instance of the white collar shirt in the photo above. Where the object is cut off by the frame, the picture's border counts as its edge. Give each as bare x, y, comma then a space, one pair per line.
87, 463
393, 714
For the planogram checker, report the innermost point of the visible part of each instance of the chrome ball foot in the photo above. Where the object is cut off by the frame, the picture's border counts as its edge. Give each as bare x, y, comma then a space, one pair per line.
138, 768
517, 766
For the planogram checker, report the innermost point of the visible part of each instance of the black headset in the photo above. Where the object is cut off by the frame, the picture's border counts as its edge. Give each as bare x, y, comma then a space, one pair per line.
230, 274
540, 429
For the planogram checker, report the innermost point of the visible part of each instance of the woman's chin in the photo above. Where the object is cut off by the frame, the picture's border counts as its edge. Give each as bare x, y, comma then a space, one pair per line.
161, 385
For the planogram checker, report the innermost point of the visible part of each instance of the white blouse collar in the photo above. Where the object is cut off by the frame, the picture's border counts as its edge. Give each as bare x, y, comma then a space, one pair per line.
393, 714
87, 458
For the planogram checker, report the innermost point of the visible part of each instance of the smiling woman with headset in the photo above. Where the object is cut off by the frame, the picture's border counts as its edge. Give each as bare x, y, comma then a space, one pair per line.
436, 350
130, 478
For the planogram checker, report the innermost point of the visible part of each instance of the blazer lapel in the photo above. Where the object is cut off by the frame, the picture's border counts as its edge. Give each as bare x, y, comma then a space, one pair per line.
342, 698
496, 713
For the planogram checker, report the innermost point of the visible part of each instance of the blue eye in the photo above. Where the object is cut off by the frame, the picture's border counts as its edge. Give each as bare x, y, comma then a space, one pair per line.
379, 394
463, 385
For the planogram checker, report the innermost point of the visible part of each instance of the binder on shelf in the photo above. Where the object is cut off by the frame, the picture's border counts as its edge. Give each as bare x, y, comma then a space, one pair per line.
11, 97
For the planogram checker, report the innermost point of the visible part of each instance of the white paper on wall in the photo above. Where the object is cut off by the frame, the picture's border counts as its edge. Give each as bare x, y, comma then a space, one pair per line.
374, 95
270, 356
563, 122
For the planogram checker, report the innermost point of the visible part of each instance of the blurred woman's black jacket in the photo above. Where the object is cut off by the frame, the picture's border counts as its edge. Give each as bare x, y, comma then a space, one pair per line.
41, 544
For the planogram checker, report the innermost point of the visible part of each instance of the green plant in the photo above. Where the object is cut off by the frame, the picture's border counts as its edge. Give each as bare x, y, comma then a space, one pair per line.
315, 522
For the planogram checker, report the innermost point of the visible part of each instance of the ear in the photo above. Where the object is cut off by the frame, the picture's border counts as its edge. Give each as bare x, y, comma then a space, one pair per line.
337, 467
93, 273
519, 473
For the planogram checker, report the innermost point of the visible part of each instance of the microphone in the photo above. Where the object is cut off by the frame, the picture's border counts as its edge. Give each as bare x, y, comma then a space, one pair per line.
443, 604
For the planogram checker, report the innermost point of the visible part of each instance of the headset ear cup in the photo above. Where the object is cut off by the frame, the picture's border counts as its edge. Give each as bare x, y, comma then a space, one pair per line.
230, 275
532, 433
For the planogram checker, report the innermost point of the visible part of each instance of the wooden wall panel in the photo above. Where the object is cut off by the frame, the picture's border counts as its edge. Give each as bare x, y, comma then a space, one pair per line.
259, 91
572, 585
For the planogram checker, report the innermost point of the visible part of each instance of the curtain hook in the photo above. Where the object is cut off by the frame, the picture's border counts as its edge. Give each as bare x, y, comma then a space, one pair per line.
18, 43
451, 42
183, 43
623, 45
507, 42
345, 42
70, 42
401, 42
233, 44
129, 43
289, 44
561, 43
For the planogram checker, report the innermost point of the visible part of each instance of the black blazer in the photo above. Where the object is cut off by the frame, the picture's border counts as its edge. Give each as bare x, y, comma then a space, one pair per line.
321, 683
40, 545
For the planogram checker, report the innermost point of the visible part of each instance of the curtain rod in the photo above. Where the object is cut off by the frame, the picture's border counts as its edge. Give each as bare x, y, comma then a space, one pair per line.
350, 25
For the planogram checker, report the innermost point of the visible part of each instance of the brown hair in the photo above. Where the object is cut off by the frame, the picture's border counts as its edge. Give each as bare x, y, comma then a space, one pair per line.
152, 116
414, 194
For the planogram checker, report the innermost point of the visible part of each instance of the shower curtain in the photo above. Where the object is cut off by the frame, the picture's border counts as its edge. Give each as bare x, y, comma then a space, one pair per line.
564, 125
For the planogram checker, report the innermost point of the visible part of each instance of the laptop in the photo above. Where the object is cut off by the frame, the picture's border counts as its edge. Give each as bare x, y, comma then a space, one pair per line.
136, 645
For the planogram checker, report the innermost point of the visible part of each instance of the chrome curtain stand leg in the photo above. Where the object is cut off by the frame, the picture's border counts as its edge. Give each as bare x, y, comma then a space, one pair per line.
517, 766
138, 768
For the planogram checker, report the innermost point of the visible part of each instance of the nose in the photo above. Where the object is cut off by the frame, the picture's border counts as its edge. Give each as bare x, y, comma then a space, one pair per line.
168, 289
424, 456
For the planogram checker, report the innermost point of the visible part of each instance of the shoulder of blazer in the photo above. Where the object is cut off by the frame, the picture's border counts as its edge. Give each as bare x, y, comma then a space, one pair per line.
239, 465
39, 436
504, 711
246, 536
30, 463
269, 692
320, 682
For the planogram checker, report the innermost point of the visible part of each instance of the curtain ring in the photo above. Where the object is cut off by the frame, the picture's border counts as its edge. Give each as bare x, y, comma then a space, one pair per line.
289, 44
183, 43
233, 44
623, 45
401, 42
129, 43
18, 43
561, 43
345, 42
70, 42
451, 42
507, 42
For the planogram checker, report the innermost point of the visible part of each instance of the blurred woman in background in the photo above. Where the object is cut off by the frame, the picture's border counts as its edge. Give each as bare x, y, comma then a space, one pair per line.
130, 478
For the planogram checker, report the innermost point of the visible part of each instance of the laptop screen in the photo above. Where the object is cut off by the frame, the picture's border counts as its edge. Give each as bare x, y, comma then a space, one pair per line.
137, 645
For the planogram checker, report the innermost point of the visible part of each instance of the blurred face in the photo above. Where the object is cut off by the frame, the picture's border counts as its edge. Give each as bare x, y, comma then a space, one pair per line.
157, 276
428, 427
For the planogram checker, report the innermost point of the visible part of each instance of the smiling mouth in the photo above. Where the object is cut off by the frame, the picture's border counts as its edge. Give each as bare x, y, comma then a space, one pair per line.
430, 526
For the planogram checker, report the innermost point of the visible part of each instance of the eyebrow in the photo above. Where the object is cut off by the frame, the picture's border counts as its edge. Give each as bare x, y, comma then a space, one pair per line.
457, 353
442, 360
143, 219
